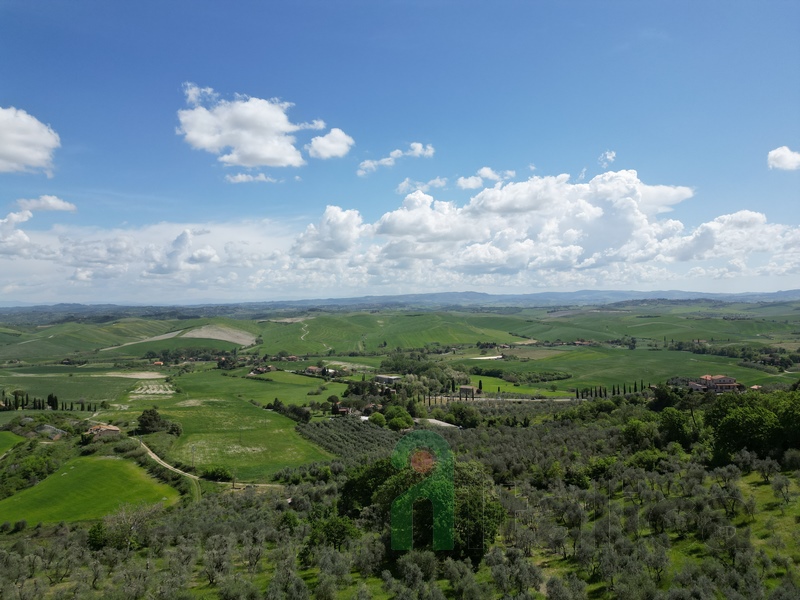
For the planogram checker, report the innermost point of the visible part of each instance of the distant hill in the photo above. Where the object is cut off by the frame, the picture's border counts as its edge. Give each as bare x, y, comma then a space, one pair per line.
99, 313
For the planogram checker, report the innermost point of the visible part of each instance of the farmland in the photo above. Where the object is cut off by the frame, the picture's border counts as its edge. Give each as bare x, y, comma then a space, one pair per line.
228, 385
219, 409
86, 488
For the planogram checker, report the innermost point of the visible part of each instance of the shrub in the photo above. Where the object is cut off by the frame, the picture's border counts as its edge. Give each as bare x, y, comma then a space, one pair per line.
126, 445
217, 474
791, 459
378, 419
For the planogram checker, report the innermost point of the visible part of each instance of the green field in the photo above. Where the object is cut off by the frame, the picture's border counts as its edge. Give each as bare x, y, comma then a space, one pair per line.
70, 384
289, 388
221, 427
8, 440
604, 366
83, 489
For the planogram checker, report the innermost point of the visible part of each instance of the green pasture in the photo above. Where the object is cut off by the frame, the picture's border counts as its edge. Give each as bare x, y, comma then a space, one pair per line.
7, 416
604, 366
289, 388
600, 326
70, 385
86, 340
139, 349
221, 427
68, 339
492, 384
83, 489
254, 443
383, 331
8, 440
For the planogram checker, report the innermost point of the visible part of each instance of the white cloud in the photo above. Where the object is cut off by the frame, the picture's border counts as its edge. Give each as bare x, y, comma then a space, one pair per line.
783, 158
548, 231
606, 158
476, 181
407, 185
488, 173
469, 183
335, 234
247, 178
334, 144
195, 95
415, 150
244, 132
47, 203
26, 144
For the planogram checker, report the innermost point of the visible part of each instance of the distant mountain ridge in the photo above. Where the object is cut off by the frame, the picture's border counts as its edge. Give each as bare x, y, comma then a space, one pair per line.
65, 312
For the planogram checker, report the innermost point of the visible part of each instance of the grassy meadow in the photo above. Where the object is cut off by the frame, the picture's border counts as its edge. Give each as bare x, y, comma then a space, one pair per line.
222, 426
8, 440
83, 489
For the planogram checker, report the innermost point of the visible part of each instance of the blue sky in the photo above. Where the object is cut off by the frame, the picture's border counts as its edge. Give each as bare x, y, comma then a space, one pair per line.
206, 151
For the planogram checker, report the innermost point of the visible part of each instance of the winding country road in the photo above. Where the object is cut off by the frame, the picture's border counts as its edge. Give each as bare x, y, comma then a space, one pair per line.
166, 465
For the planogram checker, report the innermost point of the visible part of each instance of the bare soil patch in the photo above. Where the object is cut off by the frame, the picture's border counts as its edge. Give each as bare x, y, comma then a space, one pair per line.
218, 332
132, 375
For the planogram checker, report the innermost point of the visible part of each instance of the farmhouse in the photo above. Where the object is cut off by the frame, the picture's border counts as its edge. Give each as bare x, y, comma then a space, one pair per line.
103, 431
715, 383
313, 370
387, 379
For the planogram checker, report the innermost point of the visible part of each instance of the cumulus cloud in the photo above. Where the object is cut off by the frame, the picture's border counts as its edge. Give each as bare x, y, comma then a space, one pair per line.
477, 181
415, 150
14, 241
47, 203
547, 231
244, 132
334, 235
606, 158
783, 158
180, 257
26, 144
469, 183
334, 144
407, 185
247, 178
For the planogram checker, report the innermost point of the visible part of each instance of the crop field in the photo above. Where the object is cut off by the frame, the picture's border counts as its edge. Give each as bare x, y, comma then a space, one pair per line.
289, 388
222, 427
83, 489
8, 440
70, 385
609, 366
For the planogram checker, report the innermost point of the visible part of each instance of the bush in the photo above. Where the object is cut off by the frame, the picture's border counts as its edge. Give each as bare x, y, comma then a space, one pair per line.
20, 525
378, 419
126, 445
217, 474
91, 448
791, 459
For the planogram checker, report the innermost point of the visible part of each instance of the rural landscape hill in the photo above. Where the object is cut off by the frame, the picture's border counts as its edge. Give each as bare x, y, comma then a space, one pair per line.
587, 412
19, 312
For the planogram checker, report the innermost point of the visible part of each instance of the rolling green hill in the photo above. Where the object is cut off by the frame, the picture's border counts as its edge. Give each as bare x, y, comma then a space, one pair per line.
83, 489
